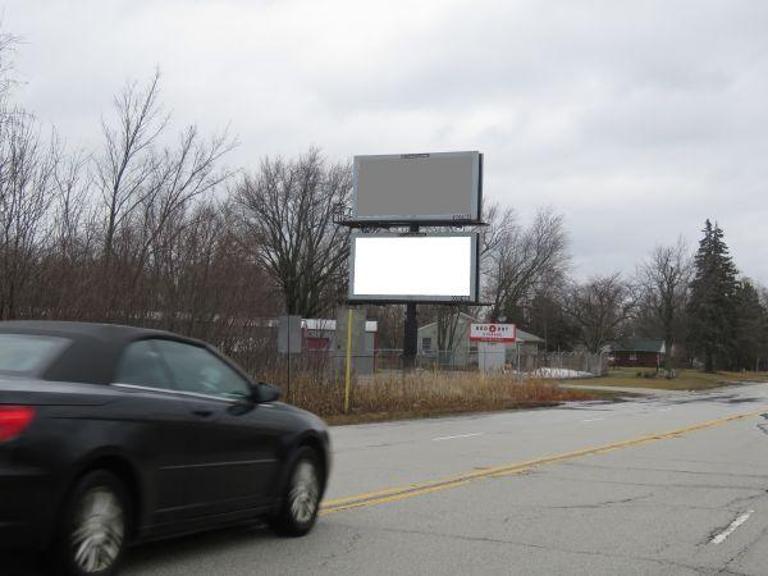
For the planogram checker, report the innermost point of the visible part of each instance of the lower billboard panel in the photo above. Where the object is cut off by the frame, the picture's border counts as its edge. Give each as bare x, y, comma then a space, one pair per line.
431, 267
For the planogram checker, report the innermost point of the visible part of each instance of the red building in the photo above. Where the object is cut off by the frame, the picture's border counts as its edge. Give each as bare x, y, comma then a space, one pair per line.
638, 353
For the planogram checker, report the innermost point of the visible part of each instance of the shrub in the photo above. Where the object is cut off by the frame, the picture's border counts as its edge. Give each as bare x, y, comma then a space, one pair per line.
422, 393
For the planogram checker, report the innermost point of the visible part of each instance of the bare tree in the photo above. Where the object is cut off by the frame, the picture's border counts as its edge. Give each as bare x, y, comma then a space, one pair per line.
130, 233
664, 281
289, 211
26, 177
144, 186
448, 329
502, 223
518, 259
126, 166
599, 308
204, 282
391, 320
7, 46
68, 256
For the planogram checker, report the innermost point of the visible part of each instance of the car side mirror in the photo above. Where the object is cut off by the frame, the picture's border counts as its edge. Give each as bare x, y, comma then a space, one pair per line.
263, 392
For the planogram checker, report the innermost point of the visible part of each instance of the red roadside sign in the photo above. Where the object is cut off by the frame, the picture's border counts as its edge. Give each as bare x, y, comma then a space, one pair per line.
492, 333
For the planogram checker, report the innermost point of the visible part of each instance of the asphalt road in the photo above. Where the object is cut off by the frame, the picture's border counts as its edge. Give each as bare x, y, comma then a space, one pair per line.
672, 484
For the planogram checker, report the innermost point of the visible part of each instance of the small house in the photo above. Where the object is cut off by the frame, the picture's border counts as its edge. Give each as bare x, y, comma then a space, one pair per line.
462, 352
638, 353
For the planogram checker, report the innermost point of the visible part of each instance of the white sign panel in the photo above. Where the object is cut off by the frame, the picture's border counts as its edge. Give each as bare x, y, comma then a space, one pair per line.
492, 333
434, 268
437, 187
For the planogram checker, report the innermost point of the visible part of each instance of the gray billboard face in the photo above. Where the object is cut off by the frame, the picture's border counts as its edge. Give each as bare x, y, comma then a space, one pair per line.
443, 187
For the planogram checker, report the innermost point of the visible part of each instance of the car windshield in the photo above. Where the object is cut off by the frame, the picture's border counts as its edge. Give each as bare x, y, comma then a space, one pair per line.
25, 354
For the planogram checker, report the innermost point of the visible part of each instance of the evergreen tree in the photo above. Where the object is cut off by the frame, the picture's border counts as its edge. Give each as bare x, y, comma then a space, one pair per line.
712, 305
751, 322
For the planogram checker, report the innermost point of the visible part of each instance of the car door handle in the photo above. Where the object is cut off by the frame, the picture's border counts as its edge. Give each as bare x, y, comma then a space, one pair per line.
202, 412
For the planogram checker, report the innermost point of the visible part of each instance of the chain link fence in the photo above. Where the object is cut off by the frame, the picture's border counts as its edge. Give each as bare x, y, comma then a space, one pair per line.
533, 363
331, 363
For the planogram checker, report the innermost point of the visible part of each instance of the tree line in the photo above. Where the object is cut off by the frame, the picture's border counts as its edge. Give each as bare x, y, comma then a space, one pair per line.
698, 303
152, 228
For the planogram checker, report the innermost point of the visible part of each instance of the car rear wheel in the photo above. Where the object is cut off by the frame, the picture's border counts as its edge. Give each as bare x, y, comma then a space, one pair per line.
93, 531
301, 497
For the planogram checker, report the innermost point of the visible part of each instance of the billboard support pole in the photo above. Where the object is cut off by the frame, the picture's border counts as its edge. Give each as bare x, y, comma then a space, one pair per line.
411, 333
410, 339
348, 375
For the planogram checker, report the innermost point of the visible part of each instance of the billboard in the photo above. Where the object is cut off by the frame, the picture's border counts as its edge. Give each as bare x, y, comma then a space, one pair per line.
436, 267
443, 187
492, 333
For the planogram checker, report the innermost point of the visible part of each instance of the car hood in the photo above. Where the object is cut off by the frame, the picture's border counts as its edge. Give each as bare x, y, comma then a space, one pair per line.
311, 419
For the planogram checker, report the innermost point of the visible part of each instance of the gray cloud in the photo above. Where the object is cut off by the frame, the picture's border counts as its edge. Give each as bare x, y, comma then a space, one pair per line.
637, 120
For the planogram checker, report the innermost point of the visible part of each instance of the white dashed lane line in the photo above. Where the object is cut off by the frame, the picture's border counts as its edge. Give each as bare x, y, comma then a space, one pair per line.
720, 538
441, 438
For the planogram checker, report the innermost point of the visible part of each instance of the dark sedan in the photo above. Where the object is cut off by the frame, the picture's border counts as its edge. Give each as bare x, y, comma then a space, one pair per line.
111, 435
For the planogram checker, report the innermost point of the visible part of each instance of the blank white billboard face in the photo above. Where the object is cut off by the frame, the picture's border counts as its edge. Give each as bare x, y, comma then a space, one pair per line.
418, 187
435, 268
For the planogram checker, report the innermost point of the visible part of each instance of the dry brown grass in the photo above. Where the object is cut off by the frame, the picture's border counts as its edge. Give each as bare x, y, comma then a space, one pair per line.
395, 395
685, 380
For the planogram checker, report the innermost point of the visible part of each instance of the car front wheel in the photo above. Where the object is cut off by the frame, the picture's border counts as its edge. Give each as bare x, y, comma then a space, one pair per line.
301, 497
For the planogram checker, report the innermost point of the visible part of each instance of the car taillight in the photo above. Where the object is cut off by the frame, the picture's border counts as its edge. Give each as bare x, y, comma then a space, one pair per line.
14, 420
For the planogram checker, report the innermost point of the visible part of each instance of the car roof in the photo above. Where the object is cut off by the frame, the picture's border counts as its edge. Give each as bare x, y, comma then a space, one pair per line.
81, 329
94, 351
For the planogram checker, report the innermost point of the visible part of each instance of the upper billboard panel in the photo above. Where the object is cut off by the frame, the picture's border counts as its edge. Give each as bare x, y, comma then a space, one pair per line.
435, 188
438, 267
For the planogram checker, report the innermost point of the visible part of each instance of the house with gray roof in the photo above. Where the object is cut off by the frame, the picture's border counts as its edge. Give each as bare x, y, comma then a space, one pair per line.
460, 352
638, 353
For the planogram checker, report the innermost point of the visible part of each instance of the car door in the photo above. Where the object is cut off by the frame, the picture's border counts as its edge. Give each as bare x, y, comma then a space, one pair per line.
170, 427
238, 442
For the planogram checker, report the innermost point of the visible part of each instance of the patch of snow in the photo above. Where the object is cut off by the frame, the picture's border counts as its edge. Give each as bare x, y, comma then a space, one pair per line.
560, 373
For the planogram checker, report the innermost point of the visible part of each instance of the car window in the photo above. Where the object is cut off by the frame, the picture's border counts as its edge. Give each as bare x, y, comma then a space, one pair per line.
195, 369
26, 354
142, 365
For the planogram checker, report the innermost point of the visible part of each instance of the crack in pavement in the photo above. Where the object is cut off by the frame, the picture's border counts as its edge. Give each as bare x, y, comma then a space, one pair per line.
654, 484
603, 504
660, 458
745, 499
703, 570
670, 470
649, 505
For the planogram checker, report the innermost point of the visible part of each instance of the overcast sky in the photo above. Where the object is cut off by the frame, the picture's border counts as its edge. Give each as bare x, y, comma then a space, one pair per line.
636, 120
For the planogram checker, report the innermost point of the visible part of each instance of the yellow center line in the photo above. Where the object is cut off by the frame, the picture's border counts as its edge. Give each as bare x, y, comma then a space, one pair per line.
421, 488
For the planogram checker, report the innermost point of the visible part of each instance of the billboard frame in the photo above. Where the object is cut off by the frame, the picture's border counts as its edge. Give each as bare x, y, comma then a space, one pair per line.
474, 286
388, 220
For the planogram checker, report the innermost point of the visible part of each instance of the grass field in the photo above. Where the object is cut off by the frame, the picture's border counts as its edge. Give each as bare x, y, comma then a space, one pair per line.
685, 380
392, 396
